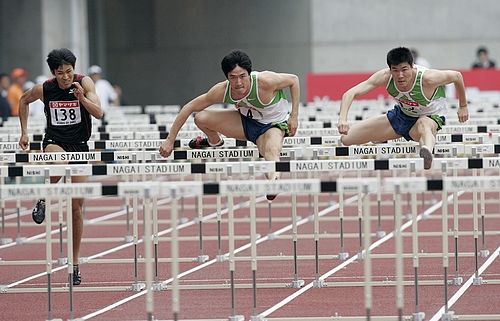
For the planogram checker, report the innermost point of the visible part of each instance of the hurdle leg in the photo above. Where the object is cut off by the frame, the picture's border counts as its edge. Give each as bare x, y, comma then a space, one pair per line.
61, 260
220, 257
343, 255
296, 282
417, 315
48, 247
398, 238
148, 249
174, 216
447, 315
253, 248
69, 243
232, 265
360, 222
136, 285
128, 236
199, 201
380, 232
478, 280
457, 280
157, 285
317, 282
19, 238
483, 252
3, 239
367, 267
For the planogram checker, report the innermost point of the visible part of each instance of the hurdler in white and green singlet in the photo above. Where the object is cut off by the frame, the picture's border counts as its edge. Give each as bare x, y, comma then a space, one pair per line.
257, 116
414, 103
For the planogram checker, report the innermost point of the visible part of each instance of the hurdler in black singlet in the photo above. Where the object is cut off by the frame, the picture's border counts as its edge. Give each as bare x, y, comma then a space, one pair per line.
68, 121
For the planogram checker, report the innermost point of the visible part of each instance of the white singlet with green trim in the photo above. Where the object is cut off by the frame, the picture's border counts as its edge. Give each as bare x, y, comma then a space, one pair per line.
251, 106
413, 102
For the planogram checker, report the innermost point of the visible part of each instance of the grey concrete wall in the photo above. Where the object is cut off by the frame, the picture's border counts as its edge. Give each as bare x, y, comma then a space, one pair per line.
168, 52
29, 29
355, 35
20, 41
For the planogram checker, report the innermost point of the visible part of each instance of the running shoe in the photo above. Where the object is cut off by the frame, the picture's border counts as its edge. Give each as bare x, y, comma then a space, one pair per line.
271, 197
202, 142
38, 213
77, 276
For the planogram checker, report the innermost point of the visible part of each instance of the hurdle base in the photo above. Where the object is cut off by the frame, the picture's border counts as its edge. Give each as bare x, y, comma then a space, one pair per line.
418, 316
271, 236
54, 319
477, 280
343, 256
380, 234
458, 280
128, 238
484, 253
256, 318
62, 261
201, 258
138, 286
158, 286
296, 284
317, 284
183, 220
5, 241
221, 258
236, 318
448, 316
20, 240
361, 255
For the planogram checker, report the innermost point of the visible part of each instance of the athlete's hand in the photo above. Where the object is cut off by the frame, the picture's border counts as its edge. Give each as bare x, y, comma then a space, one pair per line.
24, 142
293, 124
343, 127
166, 148
463, 114
78, 91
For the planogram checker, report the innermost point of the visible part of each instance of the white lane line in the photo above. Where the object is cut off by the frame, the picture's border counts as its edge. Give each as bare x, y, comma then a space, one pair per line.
111, 250
208, 263
466, 285
347, 262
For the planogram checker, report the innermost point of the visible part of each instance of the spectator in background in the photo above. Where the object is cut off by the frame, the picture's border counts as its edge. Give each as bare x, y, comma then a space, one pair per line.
483, 61
106, 93
16, 89
4, 103
36, 108
421, 61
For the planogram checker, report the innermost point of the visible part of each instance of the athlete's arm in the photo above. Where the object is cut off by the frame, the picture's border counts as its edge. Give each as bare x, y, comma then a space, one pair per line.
86, 94
269, 80
213, 96
434, 78
31, 95
378, 79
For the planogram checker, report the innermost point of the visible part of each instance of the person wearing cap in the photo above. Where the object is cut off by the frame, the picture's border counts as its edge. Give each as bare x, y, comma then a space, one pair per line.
103, 88
18, 77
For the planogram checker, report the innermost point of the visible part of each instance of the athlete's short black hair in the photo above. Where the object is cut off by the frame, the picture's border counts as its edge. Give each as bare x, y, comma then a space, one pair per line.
398, 56
236, 58
59, 57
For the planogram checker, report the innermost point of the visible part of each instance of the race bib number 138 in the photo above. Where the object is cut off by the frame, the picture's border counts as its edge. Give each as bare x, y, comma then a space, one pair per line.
64, 113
